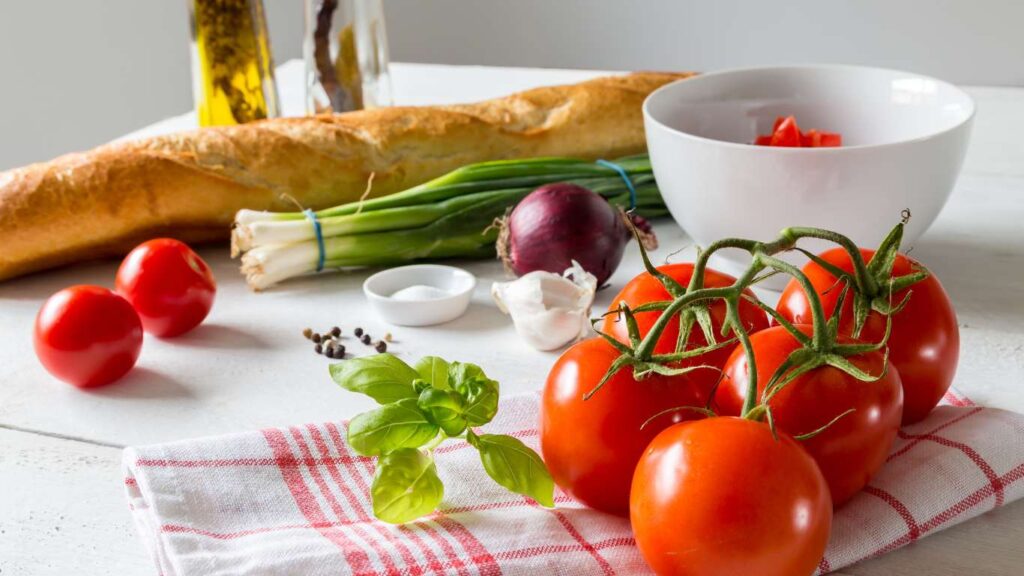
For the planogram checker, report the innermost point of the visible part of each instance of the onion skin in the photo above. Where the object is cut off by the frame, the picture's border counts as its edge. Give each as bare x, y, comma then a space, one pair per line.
558, 223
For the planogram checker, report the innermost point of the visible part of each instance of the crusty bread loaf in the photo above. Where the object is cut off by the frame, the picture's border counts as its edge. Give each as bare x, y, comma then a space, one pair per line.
190, 185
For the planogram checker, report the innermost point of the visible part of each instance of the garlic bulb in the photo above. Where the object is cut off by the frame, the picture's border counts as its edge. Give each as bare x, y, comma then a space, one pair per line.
548, 310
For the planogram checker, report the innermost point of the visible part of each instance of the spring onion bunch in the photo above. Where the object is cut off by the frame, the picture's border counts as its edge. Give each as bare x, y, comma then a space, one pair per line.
449, 217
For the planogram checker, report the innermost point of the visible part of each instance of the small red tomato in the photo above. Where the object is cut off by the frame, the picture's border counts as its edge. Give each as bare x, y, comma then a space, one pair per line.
645, 288
924, 344
591, 446
87, 336
721, 496
169, 285
851, 450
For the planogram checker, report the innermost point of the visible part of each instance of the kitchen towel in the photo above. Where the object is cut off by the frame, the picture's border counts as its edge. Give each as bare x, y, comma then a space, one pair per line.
294, 501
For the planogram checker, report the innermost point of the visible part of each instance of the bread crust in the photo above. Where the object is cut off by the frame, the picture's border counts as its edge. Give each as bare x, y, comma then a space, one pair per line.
189, 185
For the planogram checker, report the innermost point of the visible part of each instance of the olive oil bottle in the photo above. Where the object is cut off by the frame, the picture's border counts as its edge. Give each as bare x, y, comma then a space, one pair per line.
232, 67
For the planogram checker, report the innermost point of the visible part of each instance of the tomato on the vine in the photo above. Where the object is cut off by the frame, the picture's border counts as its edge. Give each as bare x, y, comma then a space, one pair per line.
87, 336
170, 286
721, 496
924, 344
591, 446
849, 451
645, 288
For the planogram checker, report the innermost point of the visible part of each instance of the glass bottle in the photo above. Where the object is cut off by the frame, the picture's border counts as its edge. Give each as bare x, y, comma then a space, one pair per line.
232, 67
346, 54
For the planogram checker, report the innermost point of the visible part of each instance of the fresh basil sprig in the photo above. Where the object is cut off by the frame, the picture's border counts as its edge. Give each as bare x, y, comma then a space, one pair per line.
421, 407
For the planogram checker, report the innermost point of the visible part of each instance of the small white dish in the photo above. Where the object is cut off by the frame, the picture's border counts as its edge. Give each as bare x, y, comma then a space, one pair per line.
904, 140
456, 283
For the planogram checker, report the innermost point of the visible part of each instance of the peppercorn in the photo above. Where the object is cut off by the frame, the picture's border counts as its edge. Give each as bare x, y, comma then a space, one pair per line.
335, 331
319, 349
381, 347
387, 336
308, 333
339, 352
316, 337
366, 339
358, 332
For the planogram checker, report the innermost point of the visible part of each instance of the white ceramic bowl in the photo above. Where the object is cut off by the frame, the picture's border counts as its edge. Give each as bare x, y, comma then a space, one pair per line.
904, 140
458, 283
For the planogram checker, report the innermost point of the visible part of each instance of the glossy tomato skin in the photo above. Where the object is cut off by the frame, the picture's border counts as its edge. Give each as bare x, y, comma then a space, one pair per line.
591, 446
721, 496
170, 286
87, 336
644, 288
925, 341
850, 451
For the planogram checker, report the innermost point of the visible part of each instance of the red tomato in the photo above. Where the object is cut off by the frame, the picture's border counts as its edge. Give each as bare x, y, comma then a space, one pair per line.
787, 134
87, 336
591, 446
850, 451
764, 140
645, 288
168, 284
721, 496
810, 139
925, 341
830, 139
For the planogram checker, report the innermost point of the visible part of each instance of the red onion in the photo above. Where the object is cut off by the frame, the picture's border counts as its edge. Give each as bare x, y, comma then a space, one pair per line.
559, 223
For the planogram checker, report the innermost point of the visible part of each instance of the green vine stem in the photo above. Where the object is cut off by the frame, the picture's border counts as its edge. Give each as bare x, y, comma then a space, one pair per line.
821, 348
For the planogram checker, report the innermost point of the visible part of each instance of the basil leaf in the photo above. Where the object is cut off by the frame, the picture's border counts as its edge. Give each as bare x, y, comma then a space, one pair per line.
445, 408
434, 370
398, 425
382, 377
461, 372
405, 486
515, 466
481, 397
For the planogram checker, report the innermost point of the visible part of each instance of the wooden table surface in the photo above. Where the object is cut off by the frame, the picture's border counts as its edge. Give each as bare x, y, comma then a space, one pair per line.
62, 504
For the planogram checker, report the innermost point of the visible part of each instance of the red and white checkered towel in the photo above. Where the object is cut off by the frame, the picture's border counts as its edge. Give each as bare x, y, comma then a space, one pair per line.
295, 501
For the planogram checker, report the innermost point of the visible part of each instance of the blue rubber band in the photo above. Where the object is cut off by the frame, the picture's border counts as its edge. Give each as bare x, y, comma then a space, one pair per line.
322, 257
625, 178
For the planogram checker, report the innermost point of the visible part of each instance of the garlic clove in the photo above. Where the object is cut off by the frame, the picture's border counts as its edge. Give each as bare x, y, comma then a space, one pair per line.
548, 310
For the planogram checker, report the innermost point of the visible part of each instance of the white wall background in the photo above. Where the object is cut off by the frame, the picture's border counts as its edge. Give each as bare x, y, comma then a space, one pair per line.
76, 73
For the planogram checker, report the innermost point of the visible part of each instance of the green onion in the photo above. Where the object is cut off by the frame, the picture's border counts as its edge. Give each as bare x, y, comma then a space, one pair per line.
452, 216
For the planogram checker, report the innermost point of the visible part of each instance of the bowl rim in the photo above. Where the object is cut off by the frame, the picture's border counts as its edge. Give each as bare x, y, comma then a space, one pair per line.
823, 150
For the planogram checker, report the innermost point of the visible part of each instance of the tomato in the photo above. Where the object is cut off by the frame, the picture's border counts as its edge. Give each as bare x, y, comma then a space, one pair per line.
925, 341
853, 449
591, 446
645, 288
786, 134
168, 284
721, 496
87, 336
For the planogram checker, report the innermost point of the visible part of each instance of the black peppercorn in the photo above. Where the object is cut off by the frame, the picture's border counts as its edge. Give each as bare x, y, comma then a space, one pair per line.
316, 337
335, 332
358, 332
381, 347
319, 349
366, 339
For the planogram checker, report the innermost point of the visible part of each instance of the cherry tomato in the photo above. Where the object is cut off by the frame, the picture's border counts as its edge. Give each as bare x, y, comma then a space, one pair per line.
591, 446
87, 336
721, 496
925, 341
168, 284
645, 288
853, 449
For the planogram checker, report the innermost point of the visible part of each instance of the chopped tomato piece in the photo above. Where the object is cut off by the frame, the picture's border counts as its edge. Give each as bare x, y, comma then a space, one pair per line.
764, 140
831, 139
788, 134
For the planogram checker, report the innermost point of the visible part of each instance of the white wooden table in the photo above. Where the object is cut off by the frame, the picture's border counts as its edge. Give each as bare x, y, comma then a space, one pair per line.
62, 508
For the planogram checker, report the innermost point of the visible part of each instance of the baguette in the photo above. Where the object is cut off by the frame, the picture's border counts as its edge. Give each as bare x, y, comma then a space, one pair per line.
189, 185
